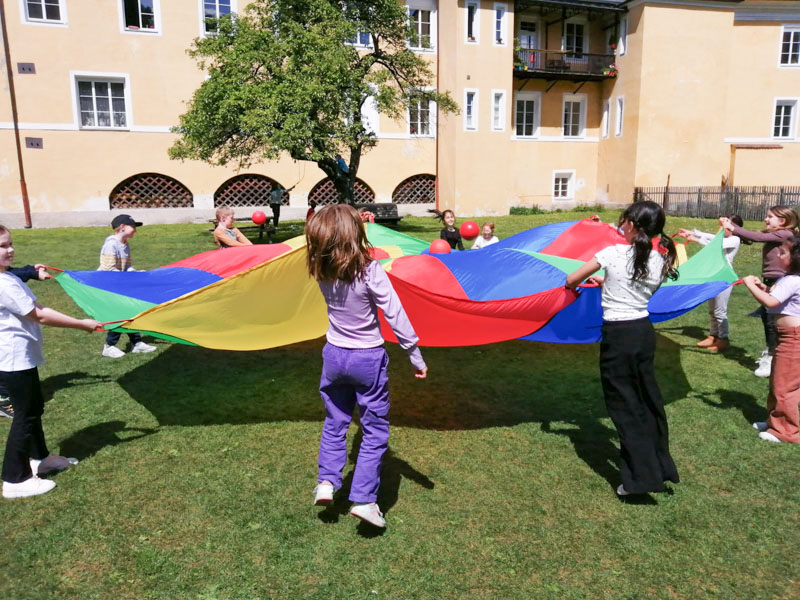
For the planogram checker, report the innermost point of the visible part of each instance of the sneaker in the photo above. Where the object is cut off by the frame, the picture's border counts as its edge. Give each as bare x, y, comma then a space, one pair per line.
323, 493
621, 491
52, 464
760, 425
764, 365
768, 437
6, 410
368, 512
709, 341
142, 348
30, 487
112, 352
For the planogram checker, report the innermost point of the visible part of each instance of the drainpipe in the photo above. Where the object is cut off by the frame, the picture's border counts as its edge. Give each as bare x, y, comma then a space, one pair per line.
23, 187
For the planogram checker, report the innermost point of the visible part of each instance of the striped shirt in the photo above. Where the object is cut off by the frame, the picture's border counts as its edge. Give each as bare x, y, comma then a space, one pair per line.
115, 256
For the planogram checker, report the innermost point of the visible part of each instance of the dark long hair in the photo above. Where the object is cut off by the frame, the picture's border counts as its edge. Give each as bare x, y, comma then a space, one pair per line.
648, 219
794, 252
337, 244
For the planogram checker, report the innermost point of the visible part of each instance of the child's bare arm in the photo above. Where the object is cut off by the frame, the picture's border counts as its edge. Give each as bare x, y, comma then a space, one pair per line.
49, 316
759, 291
589, 267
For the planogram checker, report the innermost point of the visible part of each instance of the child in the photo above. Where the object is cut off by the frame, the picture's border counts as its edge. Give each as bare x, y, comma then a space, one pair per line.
717, 339
632, 396
225, 234
26, 453
783, 301
354, 360
115, 255
450, 232
781, 224
487, 237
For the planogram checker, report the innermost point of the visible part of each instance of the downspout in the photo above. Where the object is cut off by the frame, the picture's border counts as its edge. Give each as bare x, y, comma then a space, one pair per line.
23, 187
436, 144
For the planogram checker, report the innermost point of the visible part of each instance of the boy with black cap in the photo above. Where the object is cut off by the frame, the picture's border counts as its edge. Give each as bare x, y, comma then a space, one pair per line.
115, 255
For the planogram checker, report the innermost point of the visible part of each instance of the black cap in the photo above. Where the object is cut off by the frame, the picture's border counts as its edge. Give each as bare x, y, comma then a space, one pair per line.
124, 220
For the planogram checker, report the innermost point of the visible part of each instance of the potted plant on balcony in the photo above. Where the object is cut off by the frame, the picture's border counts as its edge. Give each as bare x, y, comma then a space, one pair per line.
610, 70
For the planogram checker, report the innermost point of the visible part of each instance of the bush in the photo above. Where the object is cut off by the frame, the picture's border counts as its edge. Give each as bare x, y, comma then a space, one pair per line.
526, 210
595, 209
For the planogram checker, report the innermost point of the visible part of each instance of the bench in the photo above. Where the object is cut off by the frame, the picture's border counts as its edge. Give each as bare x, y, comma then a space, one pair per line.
385, 212
262, 229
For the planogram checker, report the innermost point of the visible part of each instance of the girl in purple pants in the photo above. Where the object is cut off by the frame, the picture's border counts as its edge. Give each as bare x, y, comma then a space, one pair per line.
354, 369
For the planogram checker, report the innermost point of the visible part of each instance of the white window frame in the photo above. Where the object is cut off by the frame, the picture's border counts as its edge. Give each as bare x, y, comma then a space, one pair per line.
580, 98
569, 174
202, 15
622, 43
576, 21
93, 76
471, 125
156, 18
500, 6
430, 7
26, 20
794, 103
605, 121
476, 24
431, 121
357, 43
795, 29
537, 114
619, 123
499, 112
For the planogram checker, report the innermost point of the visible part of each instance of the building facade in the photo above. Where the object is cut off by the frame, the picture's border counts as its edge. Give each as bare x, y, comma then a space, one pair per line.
563, 102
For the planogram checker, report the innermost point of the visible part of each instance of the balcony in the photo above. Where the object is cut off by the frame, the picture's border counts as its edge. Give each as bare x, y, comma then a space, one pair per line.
559, 65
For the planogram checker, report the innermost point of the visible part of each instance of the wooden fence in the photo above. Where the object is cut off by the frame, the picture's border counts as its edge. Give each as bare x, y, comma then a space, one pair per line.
751, 203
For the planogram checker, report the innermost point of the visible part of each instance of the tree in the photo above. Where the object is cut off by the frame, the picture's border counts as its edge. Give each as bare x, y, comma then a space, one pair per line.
283, 78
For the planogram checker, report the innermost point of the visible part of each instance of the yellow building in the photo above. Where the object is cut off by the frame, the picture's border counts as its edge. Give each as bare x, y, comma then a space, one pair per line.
562, 103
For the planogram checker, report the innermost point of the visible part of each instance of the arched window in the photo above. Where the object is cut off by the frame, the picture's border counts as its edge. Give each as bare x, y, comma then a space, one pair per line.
150, 190
247, 190
325, 193
417, 189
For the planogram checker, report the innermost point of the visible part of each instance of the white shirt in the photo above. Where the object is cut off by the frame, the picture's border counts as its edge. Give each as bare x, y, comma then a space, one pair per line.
482, 242
622, 299
20, 338
730, 244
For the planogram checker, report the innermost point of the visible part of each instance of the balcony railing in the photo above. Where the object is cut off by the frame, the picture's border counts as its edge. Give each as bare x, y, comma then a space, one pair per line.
560, 64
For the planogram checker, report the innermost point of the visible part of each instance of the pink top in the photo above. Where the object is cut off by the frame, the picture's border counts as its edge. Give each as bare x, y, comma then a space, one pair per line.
787, 292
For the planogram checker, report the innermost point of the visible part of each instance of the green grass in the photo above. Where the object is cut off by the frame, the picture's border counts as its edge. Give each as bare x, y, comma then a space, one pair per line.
197, 467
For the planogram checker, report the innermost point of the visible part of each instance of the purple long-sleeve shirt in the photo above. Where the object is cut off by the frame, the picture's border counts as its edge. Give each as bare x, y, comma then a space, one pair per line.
353, 313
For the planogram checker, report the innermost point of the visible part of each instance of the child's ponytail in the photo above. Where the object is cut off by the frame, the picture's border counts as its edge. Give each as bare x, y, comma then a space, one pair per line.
670, 257
648, 219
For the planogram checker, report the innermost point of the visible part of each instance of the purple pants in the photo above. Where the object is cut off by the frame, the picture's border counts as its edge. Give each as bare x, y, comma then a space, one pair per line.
350, 377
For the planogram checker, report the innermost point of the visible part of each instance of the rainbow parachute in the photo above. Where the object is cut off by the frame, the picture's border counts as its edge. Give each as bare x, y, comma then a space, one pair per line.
257, 297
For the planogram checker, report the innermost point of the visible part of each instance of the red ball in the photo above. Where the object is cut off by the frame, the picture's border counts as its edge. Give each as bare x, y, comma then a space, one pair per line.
469, 230
259, 218
440, 247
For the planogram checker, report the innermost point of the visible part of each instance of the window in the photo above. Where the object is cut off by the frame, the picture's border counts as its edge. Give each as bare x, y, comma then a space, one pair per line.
575, 39
605, 123
44, 11
471, 110
784, 124
419, 118
620, 116
140, 15
102, 104
213, 10
528, 38
790, 46
623, 36
526, 117
562, 185
500, 11
573, 123
473, 23
361, 38
498, 110
420, 21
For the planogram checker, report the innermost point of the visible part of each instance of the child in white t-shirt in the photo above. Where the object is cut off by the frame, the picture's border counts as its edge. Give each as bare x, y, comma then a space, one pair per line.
26, 453
486, 238
633, 399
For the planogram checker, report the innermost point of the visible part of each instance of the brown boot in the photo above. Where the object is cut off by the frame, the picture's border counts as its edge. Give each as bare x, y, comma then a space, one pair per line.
709, 341
720, 345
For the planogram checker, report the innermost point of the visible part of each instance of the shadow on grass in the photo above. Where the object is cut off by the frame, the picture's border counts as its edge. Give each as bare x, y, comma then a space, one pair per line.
54, 383
90, 440
752, 408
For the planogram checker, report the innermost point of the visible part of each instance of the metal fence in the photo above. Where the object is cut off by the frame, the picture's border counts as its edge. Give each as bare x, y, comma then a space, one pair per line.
749, 202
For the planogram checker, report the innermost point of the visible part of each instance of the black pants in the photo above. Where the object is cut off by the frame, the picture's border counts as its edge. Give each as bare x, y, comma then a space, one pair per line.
276, 214
770, 322
635, 405
112, 337
26, 437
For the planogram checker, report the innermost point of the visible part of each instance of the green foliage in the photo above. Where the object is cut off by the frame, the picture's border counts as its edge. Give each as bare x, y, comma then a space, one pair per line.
526, 210
282, 78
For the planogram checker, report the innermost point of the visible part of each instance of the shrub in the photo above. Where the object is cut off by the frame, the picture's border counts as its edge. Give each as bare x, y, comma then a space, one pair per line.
526, 210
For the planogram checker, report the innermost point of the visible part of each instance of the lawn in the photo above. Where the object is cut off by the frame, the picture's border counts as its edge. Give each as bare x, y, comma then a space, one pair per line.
197, 467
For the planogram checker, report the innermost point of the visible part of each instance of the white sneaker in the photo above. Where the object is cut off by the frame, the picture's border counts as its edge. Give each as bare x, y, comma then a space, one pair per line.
52, 464
760, 425
764, 365
369, 512
112, 352
30, 487
621, 491
768, 437
323, 493
142, 348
